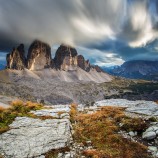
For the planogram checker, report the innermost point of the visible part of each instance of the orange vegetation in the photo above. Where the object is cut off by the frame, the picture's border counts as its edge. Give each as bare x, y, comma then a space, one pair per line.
102, 129
17, 108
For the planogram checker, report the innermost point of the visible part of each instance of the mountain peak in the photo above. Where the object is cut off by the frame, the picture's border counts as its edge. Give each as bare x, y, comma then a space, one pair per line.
39, 57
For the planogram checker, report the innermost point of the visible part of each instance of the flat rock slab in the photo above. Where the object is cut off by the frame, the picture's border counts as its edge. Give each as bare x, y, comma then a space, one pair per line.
56, 111
30, 137
149, 108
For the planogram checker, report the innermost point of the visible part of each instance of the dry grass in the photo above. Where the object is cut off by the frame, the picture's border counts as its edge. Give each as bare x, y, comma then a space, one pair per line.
73, 112
102, 129
17, 108
45, 117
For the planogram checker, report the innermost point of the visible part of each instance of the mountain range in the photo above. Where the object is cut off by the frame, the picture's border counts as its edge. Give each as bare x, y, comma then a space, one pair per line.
67, 65
136, 69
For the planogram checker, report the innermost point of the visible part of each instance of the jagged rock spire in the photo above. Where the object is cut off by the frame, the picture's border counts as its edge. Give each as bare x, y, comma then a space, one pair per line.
16, 59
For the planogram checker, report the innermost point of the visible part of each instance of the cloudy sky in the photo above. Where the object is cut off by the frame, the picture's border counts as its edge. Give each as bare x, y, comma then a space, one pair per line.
108, 32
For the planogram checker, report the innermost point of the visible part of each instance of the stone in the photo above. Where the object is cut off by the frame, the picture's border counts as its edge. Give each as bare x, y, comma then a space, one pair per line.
60, 155
68, 155
39, 56
131, 133
66, 58
152, 148
140, 107
30, 137
58, 111
149, 129
149, 135
16, 59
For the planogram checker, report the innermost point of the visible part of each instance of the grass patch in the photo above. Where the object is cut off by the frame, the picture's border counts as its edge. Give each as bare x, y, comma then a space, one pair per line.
73, 112
102, 129
17, 108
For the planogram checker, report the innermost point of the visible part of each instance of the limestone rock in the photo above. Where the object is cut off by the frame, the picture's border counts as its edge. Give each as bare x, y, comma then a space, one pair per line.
149, 135
39, 56
87, 66
30, 137
66, 58
83, 64
140, 107
151, 132
16, 59
81, 61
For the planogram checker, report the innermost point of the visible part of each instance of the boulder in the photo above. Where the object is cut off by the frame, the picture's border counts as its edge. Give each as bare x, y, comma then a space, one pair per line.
39, 56
30, 137
149, 135
16, 59
66, 58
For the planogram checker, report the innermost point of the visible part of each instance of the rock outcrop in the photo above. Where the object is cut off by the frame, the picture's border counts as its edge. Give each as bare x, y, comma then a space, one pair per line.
39, 56
66, 58
16, 59
30, 137
83, 64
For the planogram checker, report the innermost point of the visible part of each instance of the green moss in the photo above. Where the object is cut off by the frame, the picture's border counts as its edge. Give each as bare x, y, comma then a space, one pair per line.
133, 124
153, 119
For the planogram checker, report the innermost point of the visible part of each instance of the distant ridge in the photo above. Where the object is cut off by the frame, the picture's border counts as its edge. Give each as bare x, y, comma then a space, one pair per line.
136, 69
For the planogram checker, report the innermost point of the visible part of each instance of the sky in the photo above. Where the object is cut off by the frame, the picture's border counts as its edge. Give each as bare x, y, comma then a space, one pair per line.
108, 32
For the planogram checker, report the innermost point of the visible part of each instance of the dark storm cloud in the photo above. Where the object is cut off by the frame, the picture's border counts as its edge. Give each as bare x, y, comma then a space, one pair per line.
58, 21
110, 30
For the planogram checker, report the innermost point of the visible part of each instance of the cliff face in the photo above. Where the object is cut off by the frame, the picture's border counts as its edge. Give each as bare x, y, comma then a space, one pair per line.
83, 64
16, 59
39, 56
66, 58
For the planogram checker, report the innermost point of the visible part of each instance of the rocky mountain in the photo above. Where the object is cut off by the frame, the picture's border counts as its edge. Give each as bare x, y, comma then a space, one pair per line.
66, 58
16, 59
67, 65
138, 69
39, 56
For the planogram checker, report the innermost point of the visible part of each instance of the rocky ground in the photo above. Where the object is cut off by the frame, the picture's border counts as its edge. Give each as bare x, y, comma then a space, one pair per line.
21, 85
52, 137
